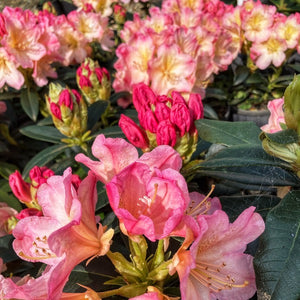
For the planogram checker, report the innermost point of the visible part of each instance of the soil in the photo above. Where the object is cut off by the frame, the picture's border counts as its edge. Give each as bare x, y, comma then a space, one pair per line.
24, 4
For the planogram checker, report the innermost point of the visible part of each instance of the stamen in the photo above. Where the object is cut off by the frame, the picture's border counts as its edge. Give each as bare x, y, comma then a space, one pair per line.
212, 277
147, 200
204, 202
21, 253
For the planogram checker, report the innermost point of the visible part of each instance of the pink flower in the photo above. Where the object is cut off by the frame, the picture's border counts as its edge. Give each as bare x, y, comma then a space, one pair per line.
9, 73
116, 154
215, 267
172, 70
276, 118
67, 233
148, 201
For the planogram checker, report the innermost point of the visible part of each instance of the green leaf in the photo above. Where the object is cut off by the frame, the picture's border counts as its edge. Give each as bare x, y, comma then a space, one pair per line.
43, 133
228, 133
44, 157
95, 111
30, 103
46, 121
287, 136
240, 75
10, 200
277, 263
6, 169
113, 132
7, 252
114, 97
241, 156
209, 112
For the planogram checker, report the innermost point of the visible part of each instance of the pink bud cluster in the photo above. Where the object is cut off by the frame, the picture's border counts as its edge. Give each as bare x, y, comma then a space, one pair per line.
164, 120
36, 41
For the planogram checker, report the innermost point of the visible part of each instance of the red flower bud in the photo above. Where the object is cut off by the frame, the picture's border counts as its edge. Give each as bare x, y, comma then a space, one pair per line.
76, 181
65, 98
196, 107
166, 134
149, 121
162, 111
177, 98
135, 135
142, 96
55, 110
2, 26
39, 175
19, 187
180, 116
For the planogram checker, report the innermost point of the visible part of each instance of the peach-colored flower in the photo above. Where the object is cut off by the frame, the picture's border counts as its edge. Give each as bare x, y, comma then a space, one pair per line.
9, 74
269, 51
215, 267
277, 116
171, 70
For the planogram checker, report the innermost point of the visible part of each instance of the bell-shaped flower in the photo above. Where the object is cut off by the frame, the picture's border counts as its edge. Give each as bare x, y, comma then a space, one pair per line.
115, 154
215, 267
67, 233
148, 201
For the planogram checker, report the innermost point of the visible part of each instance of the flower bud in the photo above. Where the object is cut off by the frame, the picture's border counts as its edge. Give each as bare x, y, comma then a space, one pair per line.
135, 135
180, 116
196, 107
166, 134
142, 96
68, 110
93, 81
292, 104
28, 212
49, 7
119, 14
19, 187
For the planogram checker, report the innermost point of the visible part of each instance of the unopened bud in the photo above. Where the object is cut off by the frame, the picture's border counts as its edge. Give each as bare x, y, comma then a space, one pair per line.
49, 7
19, 187
135, 135
68, 110
93, 81
119, 14
292, 104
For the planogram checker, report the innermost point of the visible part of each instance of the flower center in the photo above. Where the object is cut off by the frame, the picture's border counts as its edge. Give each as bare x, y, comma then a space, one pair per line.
215, 278
146, 202
40, 249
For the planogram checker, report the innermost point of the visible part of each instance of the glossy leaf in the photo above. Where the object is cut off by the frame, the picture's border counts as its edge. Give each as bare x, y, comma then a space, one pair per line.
228, 133
113, 132
30, 103
95, 111
6, 169
44, 157
43, 133
10, 200
277, 262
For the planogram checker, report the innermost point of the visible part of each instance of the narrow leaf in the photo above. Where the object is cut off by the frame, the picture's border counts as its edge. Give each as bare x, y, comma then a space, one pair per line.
95, 112
44, 157
43, 133
30, 103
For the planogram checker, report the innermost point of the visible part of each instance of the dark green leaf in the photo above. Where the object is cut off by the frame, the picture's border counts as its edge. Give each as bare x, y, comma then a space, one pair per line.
215, 93
7, 252
113, 132
240, 75
277, 262
45, 122
102, 197
209, 112
6, 169
10, 200
254, 175
241, 156
287, 136
296, 67
228, 133
43, 133
114, 97
44, 157
95, 112
30, 103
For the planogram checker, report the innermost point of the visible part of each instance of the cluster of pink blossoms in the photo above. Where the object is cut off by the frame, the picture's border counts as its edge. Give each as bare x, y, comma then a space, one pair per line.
30, 43
150, 198
182, 45
179, 47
